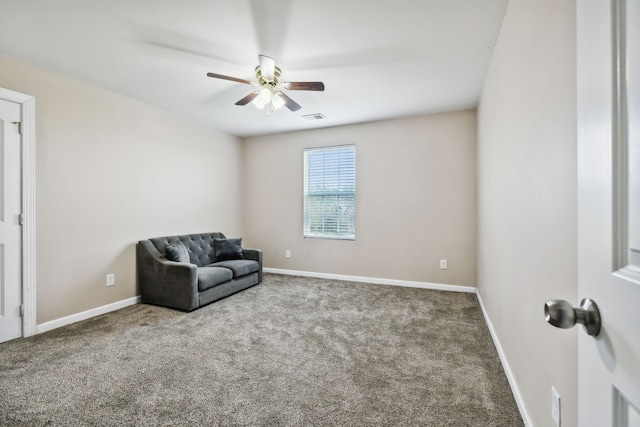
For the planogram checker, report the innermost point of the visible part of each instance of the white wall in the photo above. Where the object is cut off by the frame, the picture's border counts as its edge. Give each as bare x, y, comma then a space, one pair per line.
112, 171
415, 200
527, 214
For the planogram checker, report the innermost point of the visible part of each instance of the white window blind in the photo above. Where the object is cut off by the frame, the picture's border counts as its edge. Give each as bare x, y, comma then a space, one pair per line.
330, 192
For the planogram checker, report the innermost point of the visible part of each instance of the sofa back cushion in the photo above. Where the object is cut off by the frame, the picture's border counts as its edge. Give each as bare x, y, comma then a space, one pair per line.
200, 246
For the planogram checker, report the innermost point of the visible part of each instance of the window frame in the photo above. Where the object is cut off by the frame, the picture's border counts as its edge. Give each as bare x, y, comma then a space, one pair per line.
306, 228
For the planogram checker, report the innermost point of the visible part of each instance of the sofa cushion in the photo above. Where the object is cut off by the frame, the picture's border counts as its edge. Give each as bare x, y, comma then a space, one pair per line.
228, 249
210, 276
177, 252
240, 267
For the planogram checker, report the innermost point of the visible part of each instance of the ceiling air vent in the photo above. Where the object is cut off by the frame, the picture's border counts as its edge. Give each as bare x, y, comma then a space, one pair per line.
315, 116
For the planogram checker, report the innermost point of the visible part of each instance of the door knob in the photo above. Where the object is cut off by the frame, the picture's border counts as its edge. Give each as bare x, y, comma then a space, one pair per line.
562, 314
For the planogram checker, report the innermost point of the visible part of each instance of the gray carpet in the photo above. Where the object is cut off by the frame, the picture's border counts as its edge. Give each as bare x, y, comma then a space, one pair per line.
292, 351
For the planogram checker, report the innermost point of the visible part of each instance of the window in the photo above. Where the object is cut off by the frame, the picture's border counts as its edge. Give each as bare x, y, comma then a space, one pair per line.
330, 192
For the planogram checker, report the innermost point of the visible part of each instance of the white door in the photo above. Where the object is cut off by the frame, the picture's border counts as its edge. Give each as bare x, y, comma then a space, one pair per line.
10, 229
608, 40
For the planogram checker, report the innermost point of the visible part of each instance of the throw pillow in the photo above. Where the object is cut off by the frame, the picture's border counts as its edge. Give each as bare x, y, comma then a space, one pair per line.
228, 249
177, 252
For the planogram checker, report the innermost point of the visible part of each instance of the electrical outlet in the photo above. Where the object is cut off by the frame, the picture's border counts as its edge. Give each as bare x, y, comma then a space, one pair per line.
443, 264
555, 406
111, 279
287, 253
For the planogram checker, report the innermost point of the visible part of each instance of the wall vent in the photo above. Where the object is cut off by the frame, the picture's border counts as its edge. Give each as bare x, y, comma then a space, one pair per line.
315, 116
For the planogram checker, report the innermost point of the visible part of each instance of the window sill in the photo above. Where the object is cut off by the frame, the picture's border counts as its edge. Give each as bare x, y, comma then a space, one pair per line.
308, 236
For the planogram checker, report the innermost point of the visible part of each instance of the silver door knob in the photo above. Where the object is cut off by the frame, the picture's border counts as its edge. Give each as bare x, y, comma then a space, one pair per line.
562, 314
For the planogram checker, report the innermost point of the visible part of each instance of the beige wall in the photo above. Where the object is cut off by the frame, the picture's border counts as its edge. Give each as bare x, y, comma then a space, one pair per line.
415, 200
527, 199
112, 171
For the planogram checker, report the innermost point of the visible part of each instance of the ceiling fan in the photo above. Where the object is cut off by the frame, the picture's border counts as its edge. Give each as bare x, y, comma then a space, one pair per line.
270, 95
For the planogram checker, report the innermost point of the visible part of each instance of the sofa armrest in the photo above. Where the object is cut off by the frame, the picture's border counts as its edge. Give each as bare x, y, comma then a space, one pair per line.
256, 255
164, 282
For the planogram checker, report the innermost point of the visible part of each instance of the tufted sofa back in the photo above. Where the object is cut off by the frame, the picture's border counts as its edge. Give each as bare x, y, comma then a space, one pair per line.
200, 246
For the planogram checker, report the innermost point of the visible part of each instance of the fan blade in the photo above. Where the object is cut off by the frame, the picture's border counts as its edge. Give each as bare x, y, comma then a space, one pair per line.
267, 67
319, 86
247, 99
233, 79
288, 102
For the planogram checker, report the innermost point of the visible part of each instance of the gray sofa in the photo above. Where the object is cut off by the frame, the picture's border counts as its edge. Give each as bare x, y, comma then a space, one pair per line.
189, 271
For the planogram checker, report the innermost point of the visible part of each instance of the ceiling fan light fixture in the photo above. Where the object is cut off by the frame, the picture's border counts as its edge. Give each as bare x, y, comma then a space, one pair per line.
268, 100
264, 98
277, 101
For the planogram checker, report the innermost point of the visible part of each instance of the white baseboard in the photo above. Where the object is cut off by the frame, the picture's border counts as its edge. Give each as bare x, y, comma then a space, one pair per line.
505, 365
67, 320
410, 284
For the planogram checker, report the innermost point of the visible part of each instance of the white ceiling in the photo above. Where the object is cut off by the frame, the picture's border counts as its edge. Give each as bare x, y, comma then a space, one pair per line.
378, 59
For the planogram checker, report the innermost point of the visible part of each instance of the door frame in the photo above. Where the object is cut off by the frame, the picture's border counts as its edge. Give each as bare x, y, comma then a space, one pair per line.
28, 193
